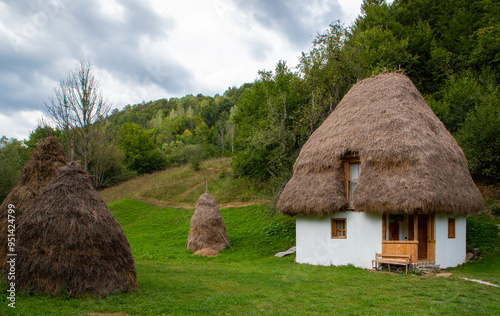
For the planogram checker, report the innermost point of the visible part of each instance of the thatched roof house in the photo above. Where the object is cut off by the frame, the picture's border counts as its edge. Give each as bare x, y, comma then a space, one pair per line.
402, 158
40, 168
207, 226
69, 241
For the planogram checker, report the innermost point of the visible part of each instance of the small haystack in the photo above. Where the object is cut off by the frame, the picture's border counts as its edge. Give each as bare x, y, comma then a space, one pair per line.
207, 226
37, 173
69, 241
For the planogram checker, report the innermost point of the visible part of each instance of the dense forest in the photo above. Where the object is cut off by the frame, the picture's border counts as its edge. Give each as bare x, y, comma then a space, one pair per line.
449, 49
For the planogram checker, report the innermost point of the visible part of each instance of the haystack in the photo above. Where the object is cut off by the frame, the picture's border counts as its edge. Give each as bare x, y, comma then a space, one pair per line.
410, 162
70, 242
40, 168
207, 226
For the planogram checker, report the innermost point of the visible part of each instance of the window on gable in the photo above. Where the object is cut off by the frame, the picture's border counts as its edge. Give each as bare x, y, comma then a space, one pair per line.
451, 228
339, 228
352, 173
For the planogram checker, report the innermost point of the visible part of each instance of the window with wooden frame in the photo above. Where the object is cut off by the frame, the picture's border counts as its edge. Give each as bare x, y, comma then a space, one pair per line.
339, 228
352, 173
451, 228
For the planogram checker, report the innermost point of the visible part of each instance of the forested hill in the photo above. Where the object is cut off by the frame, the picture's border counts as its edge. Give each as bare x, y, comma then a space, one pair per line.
183, 129
449, 48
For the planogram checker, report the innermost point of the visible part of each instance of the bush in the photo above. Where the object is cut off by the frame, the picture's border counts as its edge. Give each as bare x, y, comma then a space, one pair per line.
480, 139
178, 154
195, 163
282, 227
141, 154
13, 155
495, 209
482, 233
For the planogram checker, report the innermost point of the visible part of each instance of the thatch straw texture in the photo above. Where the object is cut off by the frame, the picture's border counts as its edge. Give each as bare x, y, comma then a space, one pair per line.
409, 161
206, 252
40, 168
207, 226
70, 242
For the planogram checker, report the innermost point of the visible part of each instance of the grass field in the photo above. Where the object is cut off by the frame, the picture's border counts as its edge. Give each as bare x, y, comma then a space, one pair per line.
248, 279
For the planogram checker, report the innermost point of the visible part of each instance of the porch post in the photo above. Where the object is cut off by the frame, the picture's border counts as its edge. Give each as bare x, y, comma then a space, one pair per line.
415, 233
384, 233
415, 227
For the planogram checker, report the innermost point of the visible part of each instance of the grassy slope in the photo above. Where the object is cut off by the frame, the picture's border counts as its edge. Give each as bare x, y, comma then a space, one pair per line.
249, 280
182, 186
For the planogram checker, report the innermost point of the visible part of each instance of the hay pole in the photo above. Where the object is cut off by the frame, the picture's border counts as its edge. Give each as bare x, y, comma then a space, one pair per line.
226, 240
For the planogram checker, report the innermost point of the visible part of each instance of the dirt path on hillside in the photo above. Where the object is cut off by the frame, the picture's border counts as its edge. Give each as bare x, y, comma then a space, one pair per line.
189, 206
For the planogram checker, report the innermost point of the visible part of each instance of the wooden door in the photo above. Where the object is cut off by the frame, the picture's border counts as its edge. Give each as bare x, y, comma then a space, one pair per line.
422, 236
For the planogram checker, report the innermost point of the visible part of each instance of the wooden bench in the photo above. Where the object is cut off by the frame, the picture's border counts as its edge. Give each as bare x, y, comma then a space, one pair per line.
402, 260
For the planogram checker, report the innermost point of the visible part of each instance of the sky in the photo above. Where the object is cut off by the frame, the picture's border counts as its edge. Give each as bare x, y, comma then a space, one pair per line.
144, 50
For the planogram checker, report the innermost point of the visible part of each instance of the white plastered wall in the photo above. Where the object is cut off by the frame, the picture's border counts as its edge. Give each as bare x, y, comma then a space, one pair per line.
450, 252
315, 245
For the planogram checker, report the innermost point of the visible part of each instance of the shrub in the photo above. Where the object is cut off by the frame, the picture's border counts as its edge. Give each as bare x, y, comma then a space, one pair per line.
482, 233
480, 139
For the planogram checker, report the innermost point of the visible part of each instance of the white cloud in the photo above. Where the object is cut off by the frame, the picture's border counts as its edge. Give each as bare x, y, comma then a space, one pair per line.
19, 124
145, 51
351, 10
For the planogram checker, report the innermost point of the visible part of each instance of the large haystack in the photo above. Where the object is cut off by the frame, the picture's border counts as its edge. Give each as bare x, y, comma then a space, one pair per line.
69, 241
207, 226
409, 161
40, 168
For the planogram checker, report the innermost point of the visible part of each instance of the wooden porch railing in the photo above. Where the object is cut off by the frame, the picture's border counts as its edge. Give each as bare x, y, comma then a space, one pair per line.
397, 247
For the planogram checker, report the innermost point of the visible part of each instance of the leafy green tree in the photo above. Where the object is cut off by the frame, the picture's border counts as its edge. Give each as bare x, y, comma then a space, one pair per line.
268, 119
460, 95
480, 138
141, 154
329, 69
39, 134
13, 156
179, 125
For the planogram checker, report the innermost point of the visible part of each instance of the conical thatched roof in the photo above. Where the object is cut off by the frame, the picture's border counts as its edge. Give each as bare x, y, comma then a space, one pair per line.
40, 168
69, 241
207, 226
409, 161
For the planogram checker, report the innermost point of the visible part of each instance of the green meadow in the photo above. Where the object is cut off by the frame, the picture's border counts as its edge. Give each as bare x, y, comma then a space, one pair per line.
248, 279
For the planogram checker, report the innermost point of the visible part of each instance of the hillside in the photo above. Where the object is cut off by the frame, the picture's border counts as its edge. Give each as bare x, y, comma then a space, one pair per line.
182, 186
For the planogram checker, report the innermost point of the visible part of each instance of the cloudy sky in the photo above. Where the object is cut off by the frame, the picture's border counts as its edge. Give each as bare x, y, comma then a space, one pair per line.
144, 50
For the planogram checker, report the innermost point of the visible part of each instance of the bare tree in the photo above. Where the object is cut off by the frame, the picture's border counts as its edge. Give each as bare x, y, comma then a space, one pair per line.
105, 155
75, 105
59, 111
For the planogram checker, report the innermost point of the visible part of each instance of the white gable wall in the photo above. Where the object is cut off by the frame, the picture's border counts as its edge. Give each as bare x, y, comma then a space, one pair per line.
315, 245
450, 252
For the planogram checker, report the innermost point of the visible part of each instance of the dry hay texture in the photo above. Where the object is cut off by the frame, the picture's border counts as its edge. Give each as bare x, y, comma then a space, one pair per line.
207, 226
70, 242
40, 168
206, 252
409, 161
